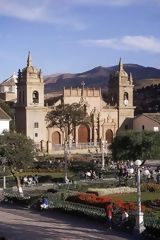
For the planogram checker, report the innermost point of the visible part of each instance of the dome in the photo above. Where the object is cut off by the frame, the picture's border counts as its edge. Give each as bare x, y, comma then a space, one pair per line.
122, 73
30, 69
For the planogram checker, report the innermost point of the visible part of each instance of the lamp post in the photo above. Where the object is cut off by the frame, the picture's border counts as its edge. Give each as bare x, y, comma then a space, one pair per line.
139, 227
65, 162
3, 161
102, 151
4, 177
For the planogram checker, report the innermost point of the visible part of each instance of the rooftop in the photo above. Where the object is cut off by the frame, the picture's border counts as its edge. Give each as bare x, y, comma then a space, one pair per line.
4, 115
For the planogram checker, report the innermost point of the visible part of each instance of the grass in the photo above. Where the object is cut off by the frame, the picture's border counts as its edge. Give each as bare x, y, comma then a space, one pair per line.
132, 197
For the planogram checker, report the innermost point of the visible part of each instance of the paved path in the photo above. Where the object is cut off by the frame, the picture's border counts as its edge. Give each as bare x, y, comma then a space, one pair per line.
23, 224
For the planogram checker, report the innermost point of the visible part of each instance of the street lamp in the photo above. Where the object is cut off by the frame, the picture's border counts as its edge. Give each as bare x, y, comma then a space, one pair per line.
102, 151
139, 227
65, 162
3, 161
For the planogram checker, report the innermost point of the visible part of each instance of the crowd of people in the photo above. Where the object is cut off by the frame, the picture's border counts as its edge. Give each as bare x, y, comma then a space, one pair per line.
30, 180
148, 172
91, 175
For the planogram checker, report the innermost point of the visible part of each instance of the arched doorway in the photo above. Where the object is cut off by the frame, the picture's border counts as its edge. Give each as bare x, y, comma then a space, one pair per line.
83, 134
56, 138
109, 136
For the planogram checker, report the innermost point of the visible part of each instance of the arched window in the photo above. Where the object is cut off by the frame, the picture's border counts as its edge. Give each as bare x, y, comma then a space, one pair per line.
35, 97
125, 98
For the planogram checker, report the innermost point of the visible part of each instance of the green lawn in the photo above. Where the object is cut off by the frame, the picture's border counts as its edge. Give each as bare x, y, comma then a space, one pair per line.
131, 197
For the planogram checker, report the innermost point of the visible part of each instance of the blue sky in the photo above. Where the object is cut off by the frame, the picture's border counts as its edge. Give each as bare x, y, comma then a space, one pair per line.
78, 35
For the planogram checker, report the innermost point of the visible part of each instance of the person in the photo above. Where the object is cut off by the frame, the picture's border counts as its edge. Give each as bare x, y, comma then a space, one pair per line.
124, 219
44, 203
36, 179
25, 181
109, 214
124, 215
66, 180
88, 175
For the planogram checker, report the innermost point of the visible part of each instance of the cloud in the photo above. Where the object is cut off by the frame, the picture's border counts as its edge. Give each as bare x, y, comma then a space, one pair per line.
45, 11
111, 3
104, 2
22, 9
130, 43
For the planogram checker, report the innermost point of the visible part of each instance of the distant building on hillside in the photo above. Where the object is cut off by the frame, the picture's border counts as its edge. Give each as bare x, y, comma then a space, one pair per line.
107, 117
147, 121
4, 121
8, 89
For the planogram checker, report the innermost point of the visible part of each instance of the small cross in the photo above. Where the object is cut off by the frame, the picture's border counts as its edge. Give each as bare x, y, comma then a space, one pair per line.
83, 84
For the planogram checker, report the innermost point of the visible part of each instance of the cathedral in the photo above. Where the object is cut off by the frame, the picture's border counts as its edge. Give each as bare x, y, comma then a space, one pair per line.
108, 117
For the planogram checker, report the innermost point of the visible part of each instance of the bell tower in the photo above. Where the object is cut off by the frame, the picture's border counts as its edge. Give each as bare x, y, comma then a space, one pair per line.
121, 96
30, 110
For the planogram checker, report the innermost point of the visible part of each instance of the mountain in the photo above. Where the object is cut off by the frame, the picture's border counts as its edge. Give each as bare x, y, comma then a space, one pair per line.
99, 76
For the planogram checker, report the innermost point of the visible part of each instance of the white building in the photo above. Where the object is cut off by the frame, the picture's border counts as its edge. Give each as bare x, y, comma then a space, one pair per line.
8, 89
4, 121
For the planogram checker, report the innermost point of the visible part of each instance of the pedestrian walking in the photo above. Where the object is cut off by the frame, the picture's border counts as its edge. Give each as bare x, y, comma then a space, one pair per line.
109, 214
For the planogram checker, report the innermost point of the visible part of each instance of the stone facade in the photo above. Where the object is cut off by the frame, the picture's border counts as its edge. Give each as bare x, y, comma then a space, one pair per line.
107, 117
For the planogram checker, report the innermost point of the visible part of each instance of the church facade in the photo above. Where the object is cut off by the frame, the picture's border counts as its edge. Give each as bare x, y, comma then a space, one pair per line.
107, 117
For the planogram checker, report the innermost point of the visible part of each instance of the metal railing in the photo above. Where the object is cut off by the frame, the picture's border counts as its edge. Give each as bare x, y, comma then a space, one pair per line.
74, 146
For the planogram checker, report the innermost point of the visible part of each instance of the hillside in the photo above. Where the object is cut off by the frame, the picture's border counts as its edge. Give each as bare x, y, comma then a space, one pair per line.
99, 76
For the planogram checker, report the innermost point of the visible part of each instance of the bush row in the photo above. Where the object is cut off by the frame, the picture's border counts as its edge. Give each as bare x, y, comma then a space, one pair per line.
150, 187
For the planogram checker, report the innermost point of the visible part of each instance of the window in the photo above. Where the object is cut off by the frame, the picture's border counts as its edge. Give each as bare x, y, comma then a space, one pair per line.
36, 125
36, 135
125, 98
35, 97
155, 129
142, 127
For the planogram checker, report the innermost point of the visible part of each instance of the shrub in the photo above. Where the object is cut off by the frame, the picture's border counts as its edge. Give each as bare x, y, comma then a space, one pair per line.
151, 187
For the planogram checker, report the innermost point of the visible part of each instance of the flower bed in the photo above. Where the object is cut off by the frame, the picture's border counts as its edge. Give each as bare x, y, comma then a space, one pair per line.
154, 204
101, 201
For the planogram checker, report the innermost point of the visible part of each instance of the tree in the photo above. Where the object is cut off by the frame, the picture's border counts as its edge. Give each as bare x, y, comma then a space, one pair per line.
18, 152
132, 145
67, 117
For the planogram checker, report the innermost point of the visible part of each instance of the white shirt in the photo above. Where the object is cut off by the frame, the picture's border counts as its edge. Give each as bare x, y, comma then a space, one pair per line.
124, 215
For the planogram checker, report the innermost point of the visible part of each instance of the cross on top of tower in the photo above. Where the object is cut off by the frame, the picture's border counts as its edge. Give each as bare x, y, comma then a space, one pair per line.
120, 65
29, 60
83, 84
